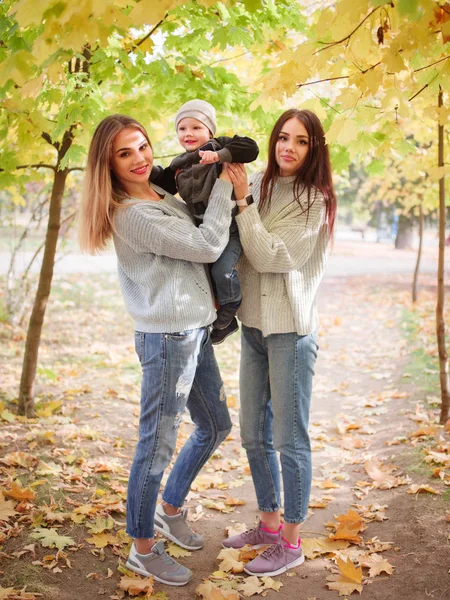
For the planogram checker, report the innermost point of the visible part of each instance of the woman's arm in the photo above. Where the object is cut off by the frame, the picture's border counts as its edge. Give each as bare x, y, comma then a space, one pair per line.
149, 230
288, 245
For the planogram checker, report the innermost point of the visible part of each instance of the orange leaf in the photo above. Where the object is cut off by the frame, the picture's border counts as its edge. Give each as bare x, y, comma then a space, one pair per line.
19, 493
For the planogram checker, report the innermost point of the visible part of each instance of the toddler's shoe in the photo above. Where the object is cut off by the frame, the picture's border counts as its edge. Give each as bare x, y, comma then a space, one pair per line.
220, 335
277, 559
158, 564
257, 538
225, 314
176, 529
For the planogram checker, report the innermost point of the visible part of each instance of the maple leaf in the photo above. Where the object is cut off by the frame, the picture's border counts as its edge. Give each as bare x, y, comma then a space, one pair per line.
377, 565
251, 586
314, 547
50, 538
230, 501
100, 540
236, 528
383, 479
19, 493
6, 508
208, 591
348, 581
20, 459
6, 592
100, 525
176, 551
230, 560
422, 489
215, 505
135, 585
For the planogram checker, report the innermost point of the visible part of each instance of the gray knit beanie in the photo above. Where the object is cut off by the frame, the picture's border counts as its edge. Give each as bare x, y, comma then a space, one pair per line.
200, 110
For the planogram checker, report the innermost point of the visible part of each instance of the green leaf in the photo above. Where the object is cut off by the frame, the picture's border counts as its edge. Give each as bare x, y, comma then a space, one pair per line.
50, 538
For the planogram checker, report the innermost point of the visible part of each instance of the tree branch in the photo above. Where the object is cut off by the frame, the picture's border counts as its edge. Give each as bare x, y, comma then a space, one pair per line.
432, 64
347, 37
149, 34
37, 166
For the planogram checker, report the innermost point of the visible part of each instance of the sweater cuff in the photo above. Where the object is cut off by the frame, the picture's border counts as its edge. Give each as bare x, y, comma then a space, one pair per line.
222, 187
225, 155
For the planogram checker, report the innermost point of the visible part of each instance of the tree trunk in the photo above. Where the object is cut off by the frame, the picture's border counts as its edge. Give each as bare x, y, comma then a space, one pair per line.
404, 237
419, 255
26, 392
440, 323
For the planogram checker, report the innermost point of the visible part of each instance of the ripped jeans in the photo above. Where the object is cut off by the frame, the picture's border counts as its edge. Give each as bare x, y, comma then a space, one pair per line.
179, 370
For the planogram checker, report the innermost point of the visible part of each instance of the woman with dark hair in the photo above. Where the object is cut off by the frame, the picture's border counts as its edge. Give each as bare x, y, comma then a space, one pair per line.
285, 226
161, 256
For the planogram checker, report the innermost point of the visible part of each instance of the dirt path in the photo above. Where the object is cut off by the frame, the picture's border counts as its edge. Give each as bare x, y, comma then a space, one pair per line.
364, 411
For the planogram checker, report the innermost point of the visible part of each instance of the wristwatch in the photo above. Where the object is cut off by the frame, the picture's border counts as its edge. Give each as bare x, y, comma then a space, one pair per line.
246, 201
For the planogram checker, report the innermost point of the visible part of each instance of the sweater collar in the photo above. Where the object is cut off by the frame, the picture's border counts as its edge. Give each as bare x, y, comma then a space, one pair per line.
286, 180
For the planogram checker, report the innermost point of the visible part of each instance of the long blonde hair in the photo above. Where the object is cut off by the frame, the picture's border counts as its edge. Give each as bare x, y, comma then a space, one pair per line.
102, 193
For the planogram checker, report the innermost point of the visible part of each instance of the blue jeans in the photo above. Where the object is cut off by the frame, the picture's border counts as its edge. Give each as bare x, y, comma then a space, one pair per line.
178, 370
275, 388
225, 278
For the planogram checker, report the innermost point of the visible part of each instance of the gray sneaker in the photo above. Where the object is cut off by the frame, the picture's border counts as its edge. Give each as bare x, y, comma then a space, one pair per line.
158, 564
176, 529
277, 559
257, 538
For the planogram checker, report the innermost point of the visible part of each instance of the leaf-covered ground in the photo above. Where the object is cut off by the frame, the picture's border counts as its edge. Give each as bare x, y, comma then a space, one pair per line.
379, 522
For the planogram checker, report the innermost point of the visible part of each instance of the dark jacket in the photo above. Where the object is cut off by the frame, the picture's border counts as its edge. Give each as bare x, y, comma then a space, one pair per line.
193, 181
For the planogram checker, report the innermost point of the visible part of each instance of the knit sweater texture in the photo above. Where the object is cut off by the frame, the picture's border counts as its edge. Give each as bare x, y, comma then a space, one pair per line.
161, 255
284, 257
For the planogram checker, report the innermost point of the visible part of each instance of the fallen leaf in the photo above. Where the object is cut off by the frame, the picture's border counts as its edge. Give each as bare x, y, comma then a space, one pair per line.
6, 508
230, 560
50, 538
19, 493
377, 565
422, 489
176, 551
348, 581
135, 585
208, 591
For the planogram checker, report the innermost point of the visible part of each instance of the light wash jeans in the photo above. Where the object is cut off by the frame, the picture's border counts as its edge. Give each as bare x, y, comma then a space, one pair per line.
224, 275
178, 370
275, 388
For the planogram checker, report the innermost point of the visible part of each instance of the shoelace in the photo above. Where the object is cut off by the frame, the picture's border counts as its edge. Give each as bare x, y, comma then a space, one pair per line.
276, 548
255, 530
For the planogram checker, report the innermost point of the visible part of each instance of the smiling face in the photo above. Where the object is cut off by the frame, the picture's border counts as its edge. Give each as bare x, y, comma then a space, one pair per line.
192, 134
292, 147
132, 158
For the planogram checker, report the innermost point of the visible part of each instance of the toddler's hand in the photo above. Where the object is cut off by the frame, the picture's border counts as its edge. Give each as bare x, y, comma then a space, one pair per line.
208, 157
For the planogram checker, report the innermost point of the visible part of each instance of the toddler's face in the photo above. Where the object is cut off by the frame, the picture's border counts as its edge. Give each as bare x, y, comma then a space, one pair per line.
192, 134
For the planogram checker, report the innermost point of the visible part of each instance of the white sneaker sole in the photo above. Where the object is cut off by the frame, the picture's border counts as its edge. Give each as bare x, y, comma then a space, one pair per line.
256, 547
166, 533
295, 563
145, 573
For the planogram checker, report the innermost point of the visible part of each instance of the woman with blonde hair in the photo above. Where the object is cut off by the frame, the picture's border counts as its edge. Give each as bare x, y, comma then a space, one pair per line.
161, 256
285, 226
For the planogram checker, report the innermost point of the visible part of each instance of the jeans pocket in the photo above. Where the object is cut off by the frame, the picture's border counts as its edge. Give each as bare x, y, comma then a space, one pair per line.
139, 344
179, 335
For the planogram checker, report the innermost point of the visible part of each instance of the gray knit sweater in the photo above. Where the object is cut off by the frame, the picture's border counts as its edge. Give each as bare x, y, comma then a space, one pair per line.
161, 256
283, 261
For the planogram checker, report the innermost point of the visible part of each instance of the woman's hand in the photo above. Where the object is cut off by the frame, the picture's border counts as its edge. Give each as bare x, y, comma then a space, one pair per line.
238, 177
224, 174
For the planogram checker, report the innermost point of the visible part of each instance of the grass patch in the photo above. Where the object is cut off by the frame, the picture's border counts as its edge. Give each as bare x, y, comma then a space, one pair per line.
422, 367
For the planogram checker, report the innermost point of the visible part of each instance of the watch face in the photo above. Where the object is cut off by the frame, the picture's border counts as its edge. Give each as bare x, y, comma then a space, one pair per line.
249, 199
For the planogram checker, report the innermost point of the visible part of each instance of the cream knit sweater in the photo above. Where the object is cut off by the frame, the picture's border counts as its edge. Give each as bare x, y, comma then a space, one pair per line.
283, 262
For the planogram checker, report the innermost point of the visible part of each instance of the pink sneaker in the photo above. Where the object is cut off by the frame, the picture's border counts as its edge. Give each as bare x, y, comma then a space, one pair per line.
277, 559
257, 538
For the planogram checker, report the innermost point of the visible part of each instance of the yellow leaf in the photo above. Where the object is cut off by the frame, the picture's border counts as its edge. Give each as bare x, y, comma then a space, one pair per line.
422, 489
135, 586
314, 547
251, 586
6, 592
230, 560
176, 551
100, 540
208, 591
349, 580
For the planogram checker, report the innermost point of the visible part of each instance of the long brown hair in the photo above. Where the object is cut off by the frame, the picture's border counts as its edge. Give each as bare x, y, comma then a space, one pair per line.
315, 172
103, 192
